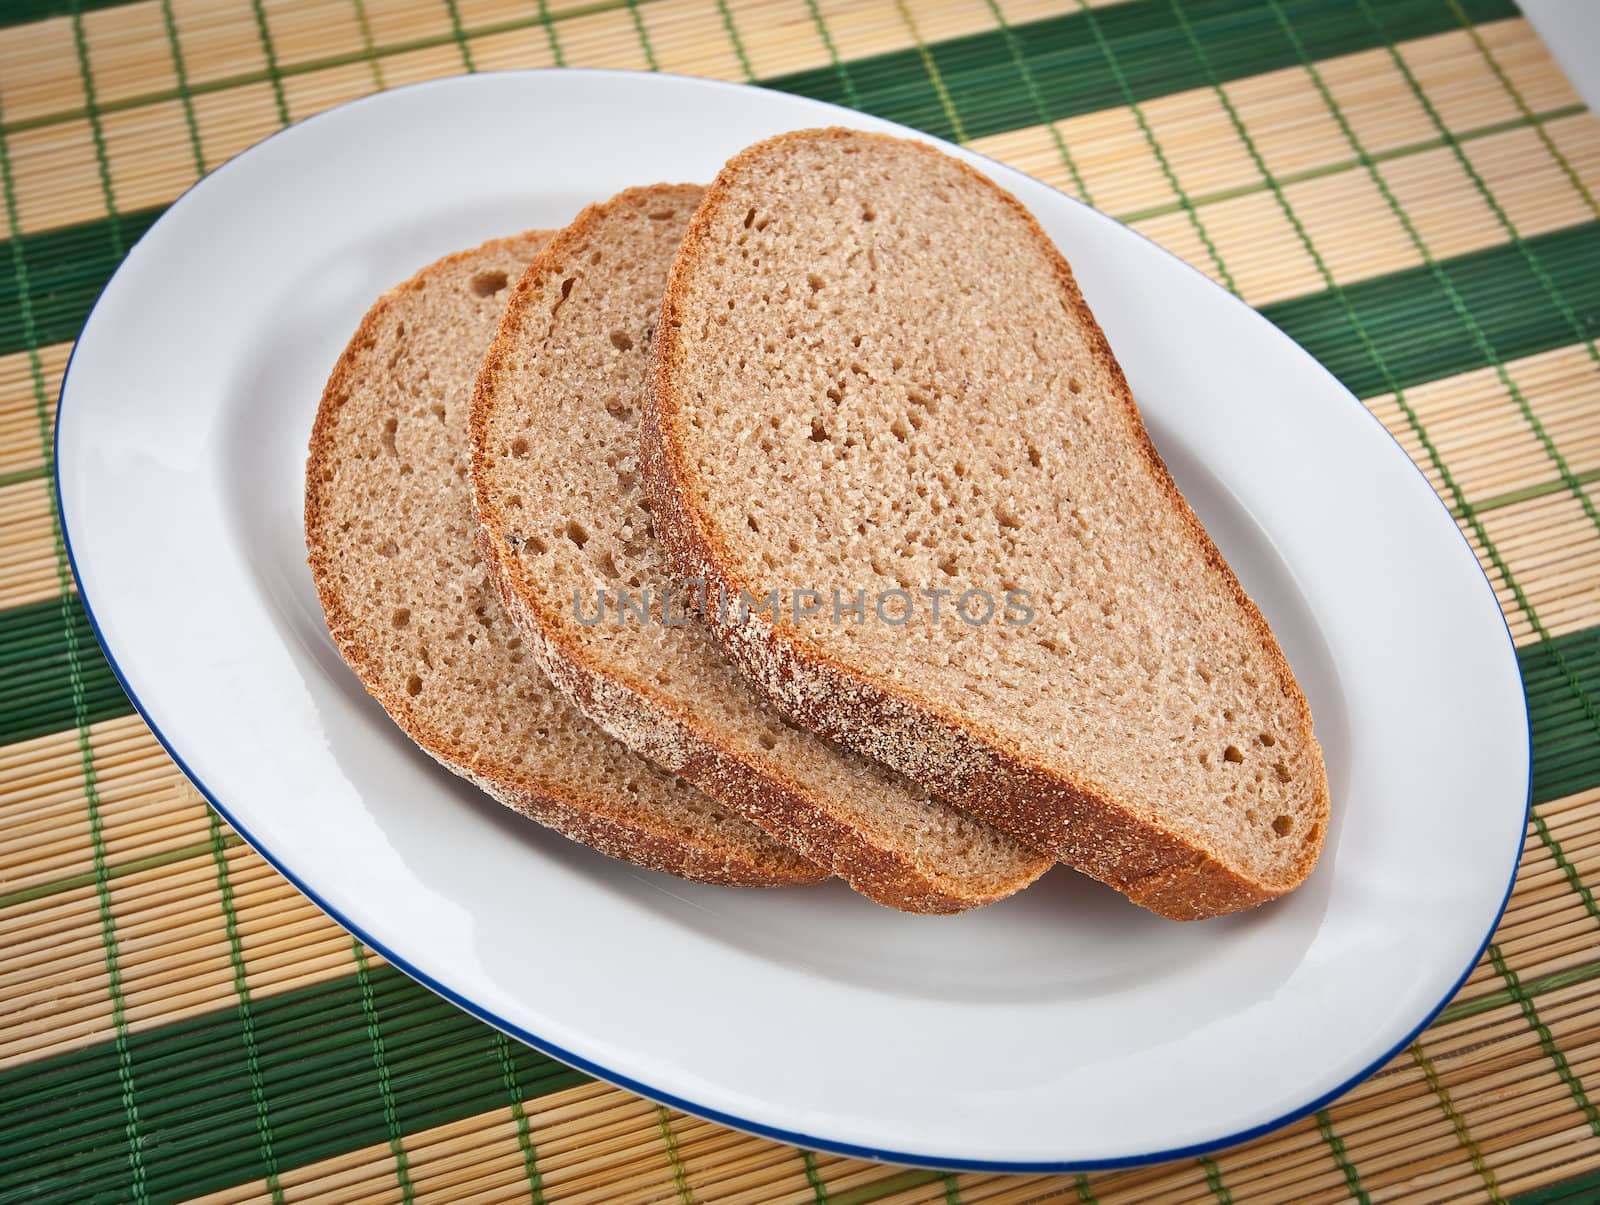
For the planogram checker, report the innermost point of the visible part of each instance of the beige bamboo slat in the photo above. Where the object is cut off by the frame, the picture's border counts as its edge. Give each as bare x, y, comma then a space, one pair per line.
781, 35
24, 580
1474, 422
1442, 65
1550, 546
22, 446
78, 1006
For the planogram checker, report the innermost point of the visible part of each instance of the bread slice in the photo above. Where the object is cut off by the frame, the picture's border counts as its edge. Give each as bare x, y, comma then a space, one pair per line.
555, 432
874, 369
390, 534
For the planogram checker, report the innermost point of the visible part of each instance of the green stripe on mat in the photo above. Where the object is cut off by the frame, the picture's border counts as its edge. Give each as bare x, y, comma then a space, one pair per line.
1562, 712
61, 1119
20, 12
1074, 75
1416, 329
1409, 314
67, 268
37, 692
1580, 1190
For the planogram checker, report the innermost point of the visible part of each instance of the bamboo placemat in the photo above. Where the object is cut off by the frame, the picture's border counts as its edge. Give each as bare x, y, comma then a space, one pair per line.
1408, 188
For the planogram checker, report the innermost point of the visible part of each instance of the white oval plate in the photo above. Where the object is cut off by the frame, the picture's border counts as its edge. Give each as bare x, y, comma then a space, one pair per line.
1061, 1029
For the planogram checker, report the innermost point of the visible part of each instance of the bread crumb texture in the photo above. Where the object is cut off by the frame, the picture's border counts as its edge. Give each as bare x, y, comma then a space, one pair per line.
411, 606
877, 371
557, 477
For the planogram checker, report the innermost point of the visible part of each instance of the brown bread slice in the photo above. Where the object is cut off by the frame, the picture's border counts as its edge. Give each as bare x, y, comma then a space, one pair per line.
873, 368
389, 530
555, 434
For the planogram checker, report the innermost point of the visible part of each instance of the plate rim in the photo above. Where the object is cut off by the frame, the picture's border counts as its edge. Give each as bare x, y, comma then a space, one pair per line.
595, 1069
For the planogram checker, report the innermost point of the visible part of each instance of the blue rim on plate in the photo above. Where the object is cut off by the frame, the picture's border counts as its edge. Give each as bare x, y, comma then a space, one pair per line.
792, 1137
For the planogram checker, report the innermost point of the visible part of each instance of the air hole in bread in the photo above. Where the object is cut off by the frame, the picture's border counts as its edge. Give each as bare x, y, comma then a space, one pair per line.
869, 214
816, 282
660, 215
438, 411
1008, 518
900, 430
566, 287
768, 741
750, 522
388, 548
1074, 385
1282, 825
1267, 739
577, 533
750, 219
390, 426
1232, 754
401, 617
1036, 460
1282, 771
487, 284
413, 686
819, 432
618, 409
519, 447
947, 565
621, 341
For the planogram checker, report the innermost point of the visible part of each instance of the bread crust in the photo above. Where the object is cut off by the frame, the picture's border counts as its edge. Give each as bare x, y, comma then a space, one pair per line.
982, 771
552, 803
627, 707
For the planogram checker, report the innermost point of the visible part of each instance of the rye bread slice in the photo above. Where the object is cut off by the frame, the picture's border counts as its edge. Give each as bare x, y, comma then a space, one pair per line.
554, 437
874, 368
389, 530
